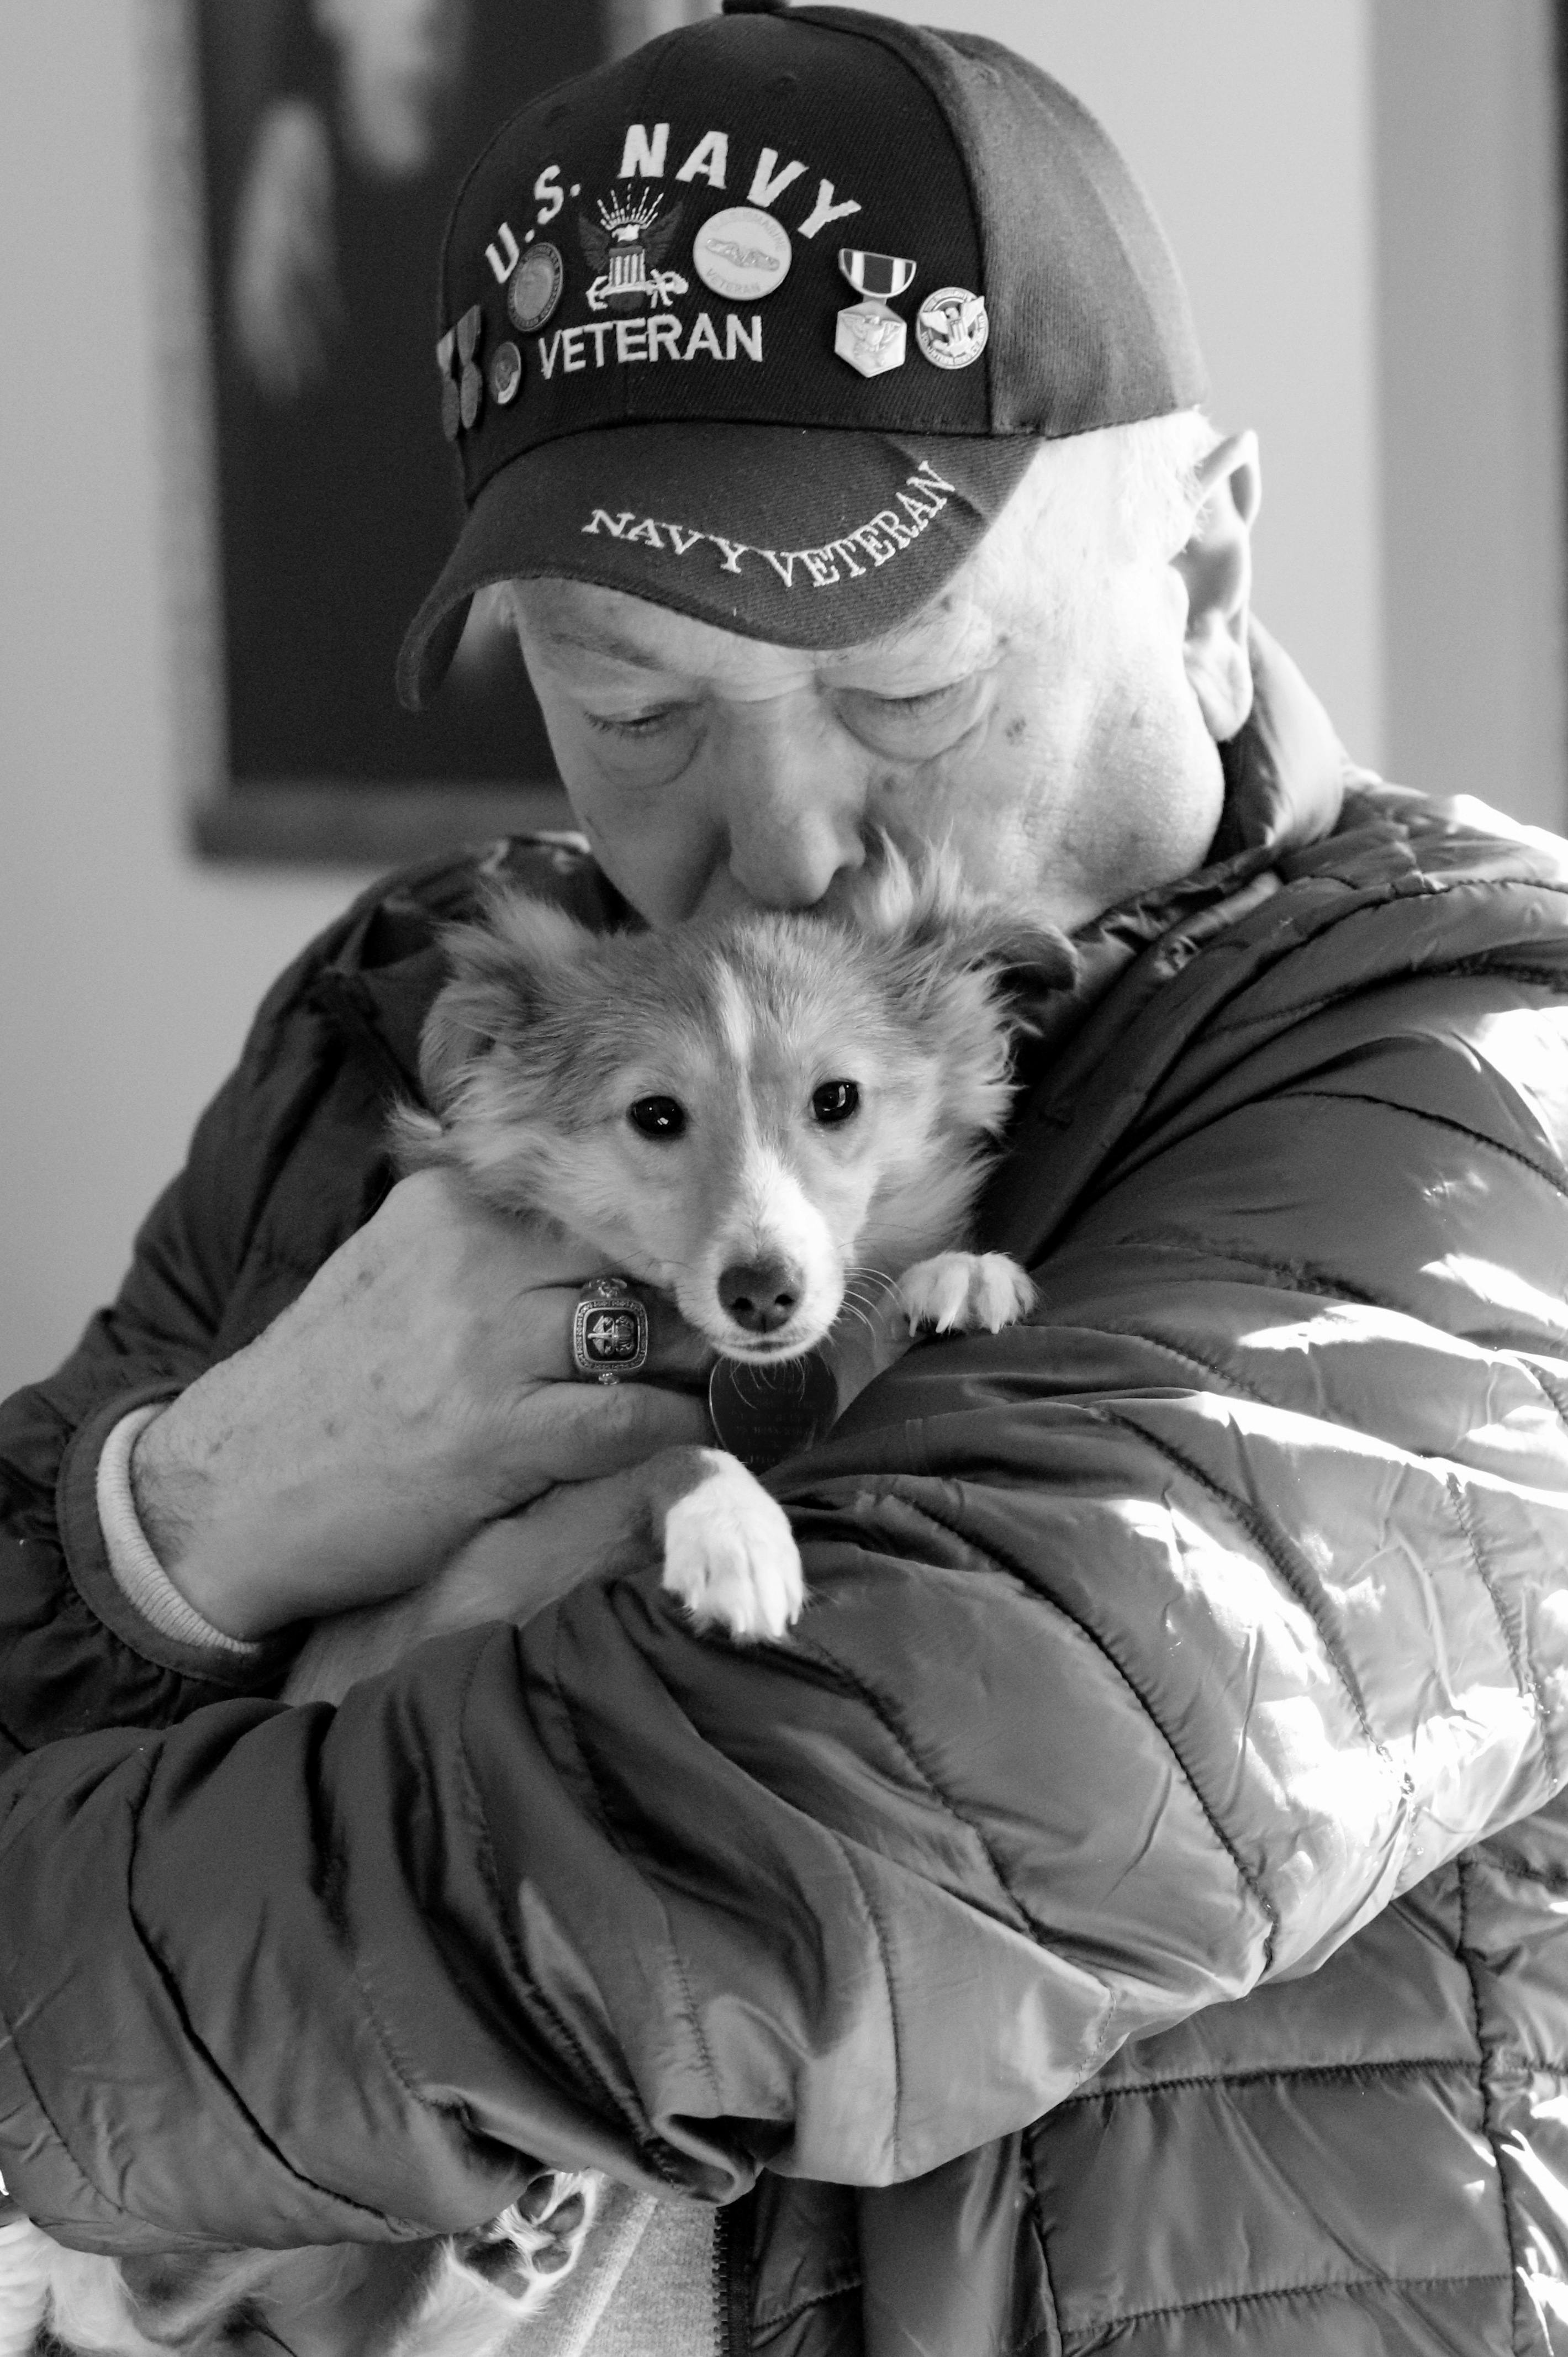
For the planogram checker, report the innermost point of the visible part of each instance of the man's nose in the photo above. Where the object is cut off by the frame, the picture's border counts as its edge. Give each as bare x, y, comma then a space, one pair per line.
794, 806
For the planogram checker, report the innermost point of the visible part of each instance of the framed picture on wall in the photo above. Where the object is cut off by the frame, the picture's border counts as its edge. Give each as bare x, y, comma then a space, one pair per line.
306, 154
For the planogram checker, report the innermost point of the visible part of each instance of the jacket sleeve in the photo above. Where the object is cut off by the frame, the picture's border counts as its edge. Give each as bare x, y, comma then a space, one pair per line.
1154, 1646
74, 1654
285, 1164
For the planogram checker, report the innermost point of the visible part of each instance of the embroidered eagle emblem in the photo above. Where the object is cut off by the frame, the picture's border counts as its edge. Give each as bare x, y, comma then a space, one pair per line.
624, 248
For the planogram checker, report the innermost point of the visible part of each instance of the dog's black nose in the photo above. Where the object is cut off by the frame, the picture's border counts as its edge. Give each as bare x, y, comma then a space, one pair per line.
759, 1293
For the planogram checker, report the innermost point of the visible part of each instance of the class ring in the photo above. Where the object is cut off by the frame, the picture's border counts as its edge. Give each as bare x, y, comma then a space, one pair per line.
609, 1331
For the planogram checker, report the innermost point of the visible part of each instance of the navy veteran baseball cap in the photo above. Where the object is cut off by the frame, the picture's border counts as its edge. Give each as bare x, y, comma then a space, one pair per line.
765, 322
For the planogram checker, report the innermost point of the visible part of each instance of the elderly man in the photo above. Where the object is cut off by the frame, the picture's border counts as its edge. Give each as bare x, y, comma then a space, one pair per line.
1125, 1910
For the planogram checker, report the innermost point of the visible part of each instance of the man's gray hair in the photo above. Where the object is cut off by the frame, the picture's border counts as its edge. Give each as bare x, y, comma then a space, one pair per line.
1140, 481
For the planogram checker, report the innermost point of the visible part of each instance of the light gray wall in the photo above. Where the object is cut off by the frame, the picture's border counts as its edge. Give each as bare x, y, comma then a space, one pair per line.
1472, 400
127, 974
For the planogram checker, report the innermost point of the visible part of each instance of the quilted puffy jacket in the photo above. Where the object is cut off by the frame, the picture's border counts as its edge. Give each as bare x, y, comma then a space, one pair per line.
1127, 1913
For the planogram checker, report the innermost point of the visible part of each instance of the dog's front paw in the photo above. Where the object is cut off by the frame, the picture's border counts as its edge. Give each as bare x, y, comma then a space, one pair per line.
957, 1291
531, 2248
730, 1554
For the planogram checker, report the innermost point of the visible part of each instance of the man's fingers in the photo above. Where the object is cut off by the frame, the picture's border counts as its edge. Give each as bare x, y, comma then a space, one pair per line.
578, 1432
674, 1348
522, 1280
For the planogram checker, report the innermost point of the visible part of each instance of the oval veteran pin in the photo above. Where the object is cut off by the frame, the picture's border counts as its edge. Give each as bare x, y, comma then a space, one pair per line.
742, 254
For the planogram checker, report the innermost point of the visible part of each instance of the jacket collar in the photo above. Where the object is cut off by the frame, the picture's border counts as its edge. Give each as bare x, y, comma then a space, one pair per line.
390, 963
1285, 775
1286, 772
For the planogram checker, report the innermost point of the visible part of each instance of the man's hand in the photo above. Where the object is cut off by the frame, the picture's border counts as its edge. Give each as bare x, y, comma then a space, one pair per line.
416, 1391
509, 1571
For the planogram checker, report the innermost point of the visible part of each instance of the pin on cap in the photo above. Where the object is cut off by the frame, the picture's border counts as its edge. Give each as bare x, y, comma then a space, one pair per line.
632, 233
471, 386
743, 253
868, 335
535, 287
701, 421
952, 328
451, 403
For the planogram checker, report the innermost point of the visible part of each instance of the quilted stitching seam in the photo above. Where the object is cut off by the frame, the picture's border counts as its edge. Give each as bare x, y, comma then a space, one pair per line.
1276, 1546
608, 1828
1279, 2075
1000, 1562
199, 2046
1471, 1959
1526, 1675
775, 2320
1036, 2222
889, 1982
1337, 2288
1436, 1120
883, 1713
647, 2141
1290, 1276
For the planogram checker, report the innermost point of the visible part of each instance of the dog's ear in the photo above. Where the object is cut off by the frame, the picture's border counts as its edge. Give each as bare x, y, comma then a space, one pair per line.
930, 909
508, 970
1011, 941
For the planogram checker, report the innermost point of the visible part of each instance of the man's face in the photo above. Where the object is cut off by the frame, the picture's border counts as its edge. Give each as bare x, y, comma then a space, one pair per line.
1036, 715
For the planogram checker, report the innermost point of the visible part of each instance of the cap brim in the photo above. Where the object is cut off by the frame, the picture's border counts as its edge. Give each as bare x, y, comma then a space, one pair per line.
800, 535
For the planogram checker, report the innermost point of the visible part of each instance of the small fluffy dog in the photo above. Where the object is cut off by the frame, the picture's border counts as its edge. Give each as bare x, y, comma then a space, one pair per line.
744, 1114
748, 1114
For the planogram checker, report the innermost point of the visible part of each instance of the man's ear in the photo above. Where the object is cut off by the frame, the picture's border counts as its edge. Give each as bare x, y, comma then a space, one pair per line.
1216, 568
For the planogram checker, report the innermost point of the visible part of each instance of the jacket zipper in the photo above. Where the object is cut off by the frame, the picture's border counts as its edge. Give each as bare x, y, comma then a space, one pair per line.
732, 2277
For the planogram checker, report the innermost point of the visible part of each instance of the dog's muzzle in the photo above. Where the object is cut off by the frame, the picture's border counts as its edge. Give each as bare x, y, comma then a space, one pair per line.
609, 1331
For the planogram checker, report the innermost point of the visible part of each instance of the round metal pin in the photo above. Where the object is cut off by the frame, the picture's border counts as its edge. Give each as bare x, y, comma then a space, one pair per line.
763, 1415
506, 372
743, 253
535, 287
953, 327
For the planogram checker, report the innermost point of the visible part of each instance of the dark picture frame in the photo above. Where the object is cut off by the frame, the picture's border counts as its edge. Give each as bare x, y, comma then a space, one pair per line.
305, 157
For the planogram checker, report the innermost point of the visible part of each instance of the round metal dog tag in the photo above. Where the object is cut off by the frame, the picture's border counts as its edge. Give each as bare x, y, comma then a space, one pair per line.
763, 1415
742, 254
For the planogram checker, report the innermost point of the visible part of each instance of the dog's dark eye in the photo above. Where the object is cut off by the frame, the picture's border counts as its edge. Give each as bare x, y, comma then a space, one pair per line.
657, 1116
835, 1101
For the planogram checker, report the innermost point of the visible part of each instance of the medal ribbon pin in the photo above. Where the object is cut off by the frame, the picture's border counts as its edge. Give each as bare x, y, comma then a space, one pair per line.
870, 335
